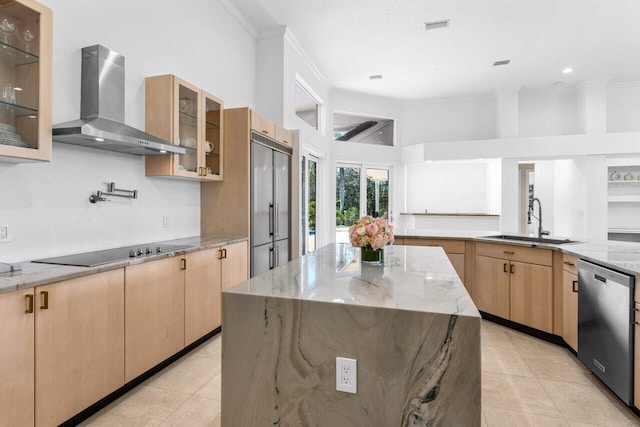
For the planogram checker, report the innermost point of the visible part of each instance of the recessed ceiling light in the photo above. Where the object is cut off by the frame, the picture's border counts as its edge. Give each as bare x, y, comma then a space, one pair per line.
163, 151
567, 70
434, 25
100, 139
502, 62
375, 77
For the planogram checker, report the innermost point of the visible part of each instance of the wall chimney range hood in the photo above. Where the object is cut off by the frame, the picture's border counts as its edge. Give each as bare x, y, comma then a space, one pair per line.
101, 124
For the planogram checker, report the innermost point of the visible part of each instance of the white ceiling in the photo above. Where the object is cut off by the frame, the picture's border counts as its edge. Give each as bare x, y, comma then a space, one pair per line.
349, 40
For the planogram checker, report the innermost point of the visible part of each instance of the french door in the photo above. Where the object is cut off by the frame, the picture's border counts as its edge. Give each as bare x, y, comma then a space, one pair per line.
360, 190
308, 187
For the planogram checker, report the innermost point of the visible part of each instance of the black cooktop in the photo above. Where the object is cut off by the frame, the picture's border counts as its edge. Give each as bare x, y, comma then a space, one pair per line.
91, 259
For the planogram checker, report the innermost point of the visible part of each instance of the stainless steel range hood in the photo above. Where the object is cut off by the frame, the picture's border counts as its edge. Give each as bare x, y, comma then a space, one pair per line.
101, 124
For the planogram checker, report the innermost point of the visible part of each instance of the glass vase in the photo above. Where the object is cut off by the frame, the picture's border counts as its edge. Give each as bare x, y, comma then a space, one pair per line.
371, 256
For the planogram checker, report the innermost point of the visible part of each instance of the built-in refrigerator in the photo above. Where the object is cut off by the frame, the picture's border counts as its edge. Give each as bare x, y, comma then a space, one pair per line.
270, 203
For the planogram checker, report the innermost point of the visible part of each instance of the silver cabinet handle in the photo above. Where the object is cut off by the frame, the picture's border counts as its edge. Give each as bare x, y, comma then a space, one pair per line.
277, 219
271, 258
271, 219
277, 255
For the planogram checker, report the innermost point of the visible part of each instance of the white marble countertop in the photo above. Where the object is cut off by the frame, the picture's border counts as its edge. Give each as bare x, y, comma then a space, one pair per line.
622, 256
412, 278
35, 274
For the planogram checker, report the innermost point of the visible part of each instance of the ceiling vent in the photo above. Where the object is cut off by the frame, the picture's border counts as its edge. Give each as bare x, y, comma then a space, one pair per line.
376, 77
436, 24
503, 62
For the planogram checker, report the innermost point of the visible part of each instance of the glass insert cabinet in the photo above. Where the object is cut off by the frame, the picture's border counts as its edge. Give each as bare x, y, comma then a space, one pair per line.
189, 117
25, 81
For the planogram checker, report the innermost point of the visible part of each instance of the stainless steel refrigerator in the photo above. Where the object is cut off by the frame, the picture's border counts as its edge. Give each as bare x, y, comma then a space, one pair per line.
270, 194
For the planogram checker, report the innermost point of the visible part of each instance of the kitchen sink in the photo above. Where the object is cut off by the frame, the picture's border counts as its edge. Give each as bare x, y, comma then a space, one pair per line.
532, 239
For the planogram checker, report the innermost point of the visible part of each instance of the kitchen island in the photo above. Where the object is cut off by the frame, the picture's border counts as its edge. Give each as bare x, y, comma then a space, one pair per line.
410, 324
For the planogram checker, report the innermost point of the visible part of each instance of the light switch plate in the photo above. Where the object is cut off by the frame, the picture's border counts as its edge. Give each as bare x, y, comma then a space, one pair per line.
346, 375
4, 233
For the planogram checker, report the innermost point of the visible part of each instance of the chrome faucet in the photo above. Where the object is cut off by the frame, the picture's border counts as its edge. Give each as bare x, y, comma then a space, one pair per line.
530, 214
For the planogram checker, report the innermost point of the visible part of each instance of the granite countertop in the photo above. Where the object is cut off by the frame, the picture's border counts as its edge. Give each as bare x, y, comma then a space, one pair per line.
622, 256
412, 278
35, 274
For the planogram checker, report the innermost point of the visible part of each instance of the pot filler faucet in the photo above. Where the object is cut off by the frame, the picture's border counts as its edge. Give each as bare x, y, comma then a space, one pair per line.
530, 214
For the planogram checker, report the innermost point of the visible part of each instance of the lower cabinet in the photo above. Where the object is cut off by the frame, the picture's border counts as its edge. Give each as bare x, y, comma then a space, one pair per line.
570, 302
235, 266
79, 344
201, 294
16, 358
455, 250
154, 309
512, 289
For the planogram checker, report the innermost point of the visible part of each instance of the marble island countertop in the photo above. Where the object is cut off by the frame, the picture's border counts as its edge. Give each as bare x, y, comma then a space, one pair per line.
32, 274
412, 278
623, 256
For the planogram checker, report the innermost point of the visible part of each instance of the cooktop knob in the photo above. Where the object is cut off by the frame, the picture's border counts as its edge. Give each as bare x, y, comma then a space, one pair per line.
148, 251
139, 252
132, 253
158, 250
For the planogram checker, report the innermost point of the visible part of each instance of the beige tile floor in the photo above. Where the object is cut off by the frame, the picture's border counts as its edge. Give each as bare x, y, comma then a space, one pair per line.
525, 382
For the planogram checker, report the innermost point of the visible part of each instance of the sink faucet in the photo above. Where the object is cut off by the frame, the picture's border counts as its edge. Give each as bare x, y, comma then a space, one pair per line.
541, 232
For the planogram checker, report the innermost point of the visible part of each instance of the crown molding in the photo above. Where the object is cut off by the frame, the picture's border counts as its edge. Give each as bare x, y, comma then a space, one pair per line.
288, 35
240, 17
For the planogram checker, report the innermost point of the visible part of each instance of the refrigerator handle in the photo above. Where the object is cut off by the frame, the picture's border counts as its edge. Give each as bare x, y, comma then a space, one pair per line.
271, 216
271, 258
277, 255
277, 219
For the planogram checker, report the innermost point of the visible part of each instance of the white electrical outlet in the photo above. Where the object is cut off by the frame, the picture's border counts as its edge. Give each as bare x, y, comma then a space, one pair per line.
165, 221
4, 234
346, 375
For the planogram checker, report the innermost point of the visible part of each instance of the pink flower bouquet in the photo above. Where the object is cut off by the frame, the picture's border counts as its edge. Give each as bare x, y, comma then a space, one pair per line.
370, 231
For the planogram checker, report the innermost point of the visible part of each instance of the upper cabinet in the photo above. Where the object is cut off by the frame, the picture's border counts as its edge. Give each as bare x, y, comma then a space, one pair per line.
189, 117
25, 81
268, 128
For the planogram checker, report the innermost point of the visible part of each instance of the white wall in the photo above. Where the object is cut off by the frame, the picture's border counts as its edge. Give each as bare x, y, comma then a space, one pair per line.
548, 112
623, 107
46, 205
451, 119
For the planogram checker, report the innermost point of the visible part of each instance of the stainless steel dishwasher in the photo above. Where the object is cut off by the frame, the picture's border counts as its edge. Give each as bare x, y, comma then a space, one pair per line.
605, 333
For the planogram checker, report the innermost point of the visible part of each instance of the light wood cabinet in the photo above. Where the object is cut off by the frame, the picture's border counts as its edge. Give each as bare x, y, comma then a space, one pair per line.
17, 358
284, 135
79, 344
531, 295
189, 117
154, 312
570, 309
492, 286
25, 82
636, 353
235, 267
201, 294
515, 283
263, 125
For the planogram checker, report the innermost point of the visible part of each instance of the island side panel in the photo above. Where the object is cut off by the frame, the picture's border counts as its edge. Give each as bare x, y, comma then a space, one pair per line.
414, 368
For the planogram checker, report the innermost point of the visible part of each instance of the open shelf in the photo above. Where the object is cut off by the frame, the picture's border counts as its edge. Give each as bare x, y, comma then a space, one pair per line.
13, 55
18, 110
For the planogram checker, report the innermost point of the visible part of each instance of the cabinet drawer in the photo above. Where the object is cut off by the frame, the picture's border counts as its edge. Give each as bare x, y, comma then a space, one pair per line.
515, 253
570, 263
284, 135
449, 246
263, 125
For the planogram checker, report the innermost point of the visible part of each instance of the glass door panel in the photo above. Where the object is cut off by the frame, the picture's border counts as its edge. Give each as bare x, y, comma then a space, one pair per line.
19, 75
213, 136
347, 200
188, 128
378, 193
313, 168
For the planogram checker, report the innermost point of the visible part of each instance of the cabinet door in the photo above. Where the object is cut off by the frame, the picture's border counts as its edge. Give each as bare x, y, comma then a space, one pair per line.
532, 295
263, 125
492, 286
282, 182
187, 129
213, 150
16, 359
79, 353
570, 309
25, 79
154, 309
201, 294
284, 135
235, 266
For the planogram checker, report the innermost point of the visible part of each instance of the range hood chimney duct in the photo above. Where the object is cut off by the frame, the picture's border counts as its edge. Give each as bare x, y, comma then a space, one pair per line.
101, 123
